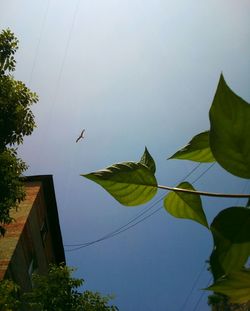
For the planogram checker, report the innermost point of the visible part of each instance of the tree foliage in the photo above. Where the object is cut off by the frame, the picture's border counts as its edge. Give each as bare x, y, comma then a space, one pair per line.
12, 192
55, 291
226, 142
9, 296
16, 121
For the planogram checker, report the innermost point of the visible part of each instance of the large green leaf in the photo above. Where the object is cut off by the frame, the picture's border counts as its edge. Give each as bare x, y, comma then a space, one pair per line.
185, 205
236, 286
129, 183
230, 229
148, 161
198, 149
230, 131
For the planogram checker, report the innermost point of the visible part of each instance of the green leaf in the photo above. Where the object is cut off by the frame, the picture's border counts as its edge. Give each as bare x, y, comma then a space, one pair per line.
129, 183
148, 161
198, 149
185, 205
230, 229
230, 131
236, 286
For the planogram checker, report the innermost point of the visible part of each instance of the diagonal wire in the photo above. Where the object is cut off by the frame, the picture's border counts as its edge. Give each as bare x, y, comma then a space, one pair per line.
196, 281
126, 227
115, 233
64, 57
201, 296
130, 223
192, 288
136, 217
39, 40
204, 172
200, 273
122, 227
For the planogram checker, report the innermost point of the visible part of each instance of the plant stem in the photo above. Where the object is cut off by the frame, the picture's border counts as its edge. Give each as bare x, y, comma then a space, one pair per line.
209, 194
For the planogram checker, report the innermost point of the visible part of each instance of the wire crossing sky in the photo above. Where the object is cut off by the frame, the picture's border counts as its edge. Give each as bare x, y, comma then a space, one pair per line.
133, 222
133, 74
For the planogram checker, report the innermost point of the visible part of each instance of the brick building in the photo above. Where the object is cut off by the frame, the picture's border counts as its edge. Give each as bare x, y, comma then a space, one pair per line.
33, 240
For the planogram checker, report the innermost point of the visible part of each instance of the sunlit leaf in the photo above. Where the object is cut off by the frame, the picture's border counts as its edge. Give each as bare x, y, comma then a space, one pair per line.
198, 149
185, 205
230, 229
129, 183
148, 161
230, 131
236, 286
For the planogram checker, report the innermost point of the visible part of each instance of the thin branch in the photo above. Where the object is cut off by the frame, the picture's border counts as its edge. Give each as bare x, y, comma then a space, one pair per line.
209, 194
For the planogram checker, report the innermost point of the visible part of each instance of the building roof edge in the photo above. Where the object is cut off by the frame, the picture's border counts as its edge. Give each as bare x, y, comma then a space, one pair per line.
53, 217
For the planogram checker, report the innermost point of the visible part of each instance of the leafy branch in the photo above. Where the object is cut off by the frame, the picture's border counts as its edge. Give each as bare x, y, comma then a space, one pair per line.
205, 193
227, 142
16, 121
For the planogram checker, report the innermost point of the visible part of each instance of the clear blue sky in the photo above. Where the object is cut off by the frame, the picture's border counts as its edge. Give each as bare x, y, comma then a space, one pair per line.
132, 73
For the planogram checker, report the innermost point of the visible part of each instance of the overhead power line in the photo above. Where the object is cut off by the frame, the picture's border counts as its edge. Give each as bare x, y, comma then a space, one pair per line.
39, 40
113, 234
201, 296
183, 306
134, 221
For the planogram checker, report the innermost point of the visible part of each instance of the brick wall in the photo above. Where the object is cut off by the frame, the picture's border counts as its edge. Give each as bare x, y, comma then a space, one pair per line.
28, 243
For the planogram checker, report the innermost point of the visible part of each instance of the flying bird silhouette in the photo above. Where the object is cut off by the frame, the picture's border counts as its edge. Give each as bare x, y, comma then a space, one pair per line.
81, 136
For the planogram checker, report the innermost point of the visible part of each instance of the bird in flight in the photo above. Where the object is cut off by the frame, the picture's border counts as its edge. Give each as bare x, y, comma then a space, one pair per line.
81, 136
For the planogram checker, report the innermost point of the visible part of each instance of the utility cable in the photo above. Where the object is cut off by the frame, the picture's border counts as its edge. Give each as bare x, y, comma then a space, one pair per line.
201, 296
128, 225
196, 281
192, 288
191, 172
201, 271
204, 172
122, 227
114, 234
134, 218
64, 56
39, 40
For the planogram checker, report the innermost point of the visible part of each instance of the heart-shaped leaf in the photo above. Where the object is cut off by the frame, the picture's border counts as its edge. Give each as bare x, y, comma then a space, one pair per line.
230, 131
129, 183
230, 229
236, 286
198, 149
148, 161
185, 205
